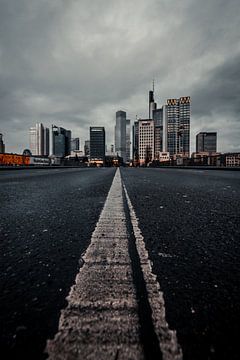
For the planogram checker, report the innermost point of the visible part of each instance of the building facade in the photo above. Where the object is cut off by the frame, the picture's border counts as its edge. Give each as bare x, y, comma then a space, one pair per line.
146, 141
159, 119
46, 146
87, 148
120, 134
75, 144
97, 143
135, 153
39, 140
152, 105
61, 141
232, 159
206, 142
164, 156
128, 140
178, 126
2, 145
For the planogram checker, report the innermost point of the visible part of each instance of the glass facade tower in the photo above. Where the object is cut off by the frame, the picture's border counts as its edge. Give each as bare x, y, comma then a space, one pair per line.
178, 126
61, 141
97, 143
120, 134
39, 140
206, 142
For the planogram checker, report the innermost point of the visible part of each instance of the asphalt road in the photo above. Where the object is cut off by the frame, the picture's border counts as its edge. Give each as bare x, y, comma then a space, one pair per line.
46, 221
190, 223
190, 220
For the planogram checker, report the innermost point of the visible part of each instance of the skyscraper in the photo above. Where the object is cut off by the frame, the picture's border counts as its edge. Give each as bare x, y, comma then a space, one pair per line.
206, 142
184, 125
61, 141
178, 126
160, 124
2, 146
128, 139
75, 144
146, 141
135, 153
120, 134
97, 143
46, 141
152, 105
39, 139
87, 148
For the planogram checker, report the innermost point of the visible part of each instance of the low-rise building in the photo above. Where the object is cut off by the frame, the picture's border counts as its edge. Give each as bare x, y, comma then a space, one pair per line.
164, 156
206, 158
232, 159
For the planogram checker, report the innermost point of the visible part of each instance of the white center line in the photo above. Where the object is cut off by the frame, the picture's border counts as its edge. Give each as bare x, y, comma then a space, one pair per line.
101, 319
167, 338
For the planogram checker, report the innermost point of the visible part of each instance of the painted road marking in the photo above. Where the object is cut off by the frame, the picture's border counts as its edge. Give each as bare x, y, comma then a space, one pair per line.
101, 320
167, 338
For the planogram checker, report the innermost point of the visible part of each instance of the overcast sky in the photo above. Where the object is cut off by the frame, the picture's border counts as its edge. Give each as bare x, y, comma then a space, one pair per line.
74, 63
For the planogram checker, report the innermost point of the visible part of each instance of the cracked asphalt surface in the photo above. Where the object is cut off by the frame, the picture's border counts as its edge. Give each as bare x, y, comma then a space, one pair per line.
190, 223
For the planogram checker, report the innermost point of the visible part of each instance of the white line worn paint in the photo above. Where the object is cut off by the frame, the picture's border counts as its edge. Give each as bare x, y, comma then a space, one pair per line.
101, 319
167, 338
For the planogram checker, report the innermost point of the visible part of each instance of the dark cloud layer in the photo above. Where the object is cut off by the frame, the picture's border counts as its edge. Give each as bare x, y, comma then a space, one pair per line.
74, 63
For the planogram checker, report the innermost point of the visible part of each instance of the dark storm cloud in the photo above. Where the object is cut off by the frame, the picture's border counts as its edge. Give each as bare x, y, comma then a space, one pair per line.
216, 105
74, 63
219, 90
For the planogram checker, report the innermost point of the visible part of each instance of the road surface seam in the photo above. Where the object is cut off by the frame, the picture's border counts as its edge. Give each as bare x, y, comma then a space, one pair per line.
167, 338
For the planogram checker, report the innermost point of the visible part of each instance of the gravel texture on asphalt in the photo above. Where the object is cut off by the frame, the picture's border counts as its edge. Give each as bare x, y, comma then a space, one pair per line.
189, 220
46, 221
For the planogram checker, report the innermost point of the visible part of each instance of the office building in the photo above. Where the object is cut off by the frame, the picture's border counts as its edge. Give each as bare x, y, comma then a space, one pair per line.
178, 126
46, 141
152, 105
158, 131
206, 142
2, 145
146, 141
128, 140
157, 115
160, 124
61, 141
39, 140
75, 144
97, 143
232, 159
135, 154
120, 134
165, 129
87, 148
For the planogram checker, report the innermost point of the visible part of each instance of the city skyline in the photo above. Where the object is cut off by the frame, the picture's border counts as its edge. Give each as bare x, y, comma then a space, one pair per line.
41, 82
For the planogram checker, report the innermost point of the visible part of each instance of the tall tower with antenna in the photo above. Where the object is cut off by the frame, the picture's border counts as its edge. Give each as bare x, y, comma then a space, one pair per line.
152, 105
